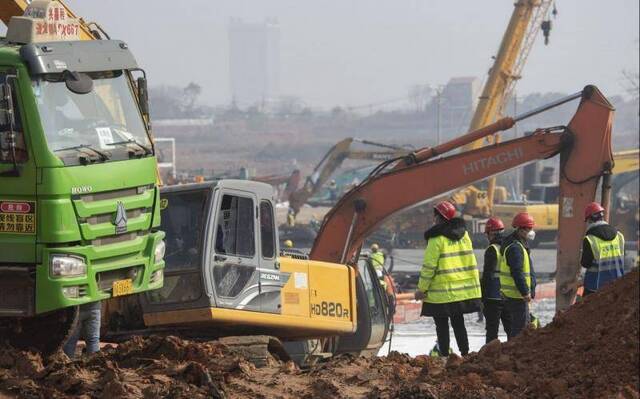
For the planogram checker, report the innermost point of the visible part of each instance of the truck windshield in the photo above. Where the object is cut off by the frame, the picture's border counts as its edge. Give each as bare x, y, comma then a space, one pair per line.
106, 119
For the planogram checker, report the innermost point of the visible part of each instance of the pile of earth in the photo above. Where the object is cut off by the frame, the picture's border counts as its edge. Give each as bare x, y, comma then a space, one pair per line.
592, 350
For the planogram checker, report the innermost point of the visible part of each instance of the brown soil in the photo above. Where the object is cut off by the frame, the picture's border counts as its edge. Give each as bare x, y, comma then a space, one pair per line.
592, 351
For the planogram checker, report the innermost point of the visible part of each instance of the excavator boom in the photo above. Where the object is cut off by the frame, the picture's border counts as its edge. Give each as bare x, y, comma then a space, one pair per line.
585, 147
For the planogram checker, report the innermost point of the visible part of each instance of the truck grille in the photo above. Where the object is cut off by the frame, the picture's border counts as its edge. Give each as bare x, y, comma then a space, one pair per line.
96, 213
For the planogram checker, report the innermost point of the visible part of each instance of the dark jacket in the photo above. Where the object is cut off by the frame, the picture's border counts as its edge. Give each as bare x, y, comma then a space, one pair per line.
453, 229
515, 261
603, 231
489, 283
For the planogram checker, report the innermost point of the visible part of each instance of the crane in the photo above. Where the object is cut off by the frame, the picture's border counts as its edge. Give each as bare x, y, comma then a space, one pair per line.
524, 26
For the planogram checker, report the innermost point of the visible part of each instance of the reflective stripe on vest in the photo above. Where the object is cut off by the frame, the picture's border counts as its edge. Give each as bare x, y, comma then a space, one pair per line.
507, 285
608, 261
455, 277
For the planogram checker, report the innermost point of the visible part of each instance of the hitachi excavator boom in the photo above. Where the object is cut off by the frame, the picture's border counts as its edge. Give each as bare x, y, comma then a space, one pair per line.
584, 146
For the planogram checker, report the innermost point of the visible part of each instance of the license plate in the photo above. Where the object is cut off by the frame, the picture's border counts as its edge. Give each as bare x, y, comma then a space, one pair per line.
122, 287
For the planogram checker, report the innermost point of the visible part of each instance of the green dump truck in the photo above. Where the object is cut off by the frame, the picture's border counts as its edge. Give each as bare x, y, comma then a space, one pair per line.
79, 203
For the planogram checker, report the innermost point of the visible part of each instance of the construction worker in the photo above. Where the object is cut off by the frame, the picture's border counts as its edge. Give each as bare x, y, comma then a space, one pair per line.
333, 190
449, 283
288, 244
492, 301
88, 328
377, 257
602, 250
517, 277
291, 217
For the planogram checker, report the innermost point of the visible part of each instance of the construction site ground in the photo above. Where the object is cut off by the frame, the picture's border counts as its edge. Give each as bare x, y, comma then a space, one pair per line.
589, 351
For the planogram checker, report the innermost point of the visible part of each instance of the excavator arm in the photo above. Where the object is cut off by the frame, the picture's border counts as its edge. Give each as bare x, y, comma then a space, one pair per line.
584, 145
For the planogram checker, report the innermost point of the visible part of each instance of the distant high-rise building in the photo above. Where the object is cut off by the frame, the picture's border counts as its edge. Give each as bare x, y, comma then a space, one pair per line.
254, 61
460, 97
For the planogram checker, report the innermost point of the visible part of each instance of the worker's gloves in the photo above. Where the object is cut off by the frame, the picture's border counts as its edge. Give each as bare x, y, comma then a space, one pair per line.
419, 295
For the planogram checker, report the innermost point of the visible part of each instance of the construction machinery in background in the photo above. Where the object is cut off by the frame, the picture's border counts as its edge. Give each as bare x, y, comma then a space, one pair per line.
332, 160
79, 216
584, 146
541, 201
225, 277
475, 202
303, 234
524, 25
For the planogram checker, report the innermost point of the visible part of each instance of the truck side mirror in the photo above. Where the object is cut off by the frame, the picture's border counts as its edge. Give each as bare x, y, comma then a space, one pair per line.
143, 96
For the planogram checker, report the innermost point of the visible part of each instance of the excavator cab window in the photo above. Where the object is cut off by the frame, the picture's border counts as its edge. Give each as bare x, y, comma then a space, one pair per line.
267, 230
235, 230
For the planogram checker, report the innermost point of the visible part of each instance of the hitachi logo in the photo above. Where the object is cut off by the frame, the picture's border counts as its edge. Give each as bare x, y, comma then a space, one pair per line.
496, 160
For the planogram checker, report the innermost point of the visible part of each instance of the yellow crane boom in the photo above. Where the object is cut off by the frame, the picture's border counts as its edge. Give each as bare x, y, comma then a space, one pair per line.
524, 25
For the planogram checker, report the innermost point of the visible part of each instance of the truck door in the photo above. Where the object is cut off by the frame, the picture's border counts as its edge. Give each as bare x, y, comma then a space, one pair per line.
235, 272
271, 280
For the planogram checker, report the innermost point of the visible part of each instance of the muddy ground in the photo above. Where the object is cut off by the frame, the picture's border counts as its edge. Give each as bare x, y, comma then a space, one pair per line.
592, 351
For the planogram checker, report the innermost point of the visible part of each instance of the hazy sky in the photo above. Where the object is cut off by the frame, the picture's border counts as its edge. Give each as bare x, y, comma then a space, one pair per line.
353, 52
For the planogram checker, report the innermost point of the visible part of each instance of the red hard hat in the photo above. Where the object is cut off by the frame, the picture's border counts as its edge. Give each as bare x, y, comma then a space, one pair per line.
592, 209
493, 224
446, 209
523, 220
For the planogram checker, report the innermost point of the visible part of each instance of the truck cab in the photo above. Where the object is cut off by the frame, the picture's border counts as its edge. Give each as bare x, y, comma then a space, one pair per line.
79, 204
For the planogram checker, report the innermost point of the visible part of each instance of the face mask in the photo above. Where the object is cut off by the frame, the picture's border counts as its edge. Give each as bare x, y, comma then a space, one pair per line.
531, 235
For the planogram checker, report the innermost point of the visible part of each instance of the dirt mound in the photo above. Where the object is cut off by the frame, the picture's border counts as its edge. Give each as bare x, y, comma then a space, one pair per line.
592, 350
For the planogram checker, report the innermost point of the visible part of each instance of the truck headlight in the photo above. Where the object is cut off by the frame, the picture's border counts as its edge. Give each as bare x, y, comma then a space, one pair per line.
67, 266
158, 253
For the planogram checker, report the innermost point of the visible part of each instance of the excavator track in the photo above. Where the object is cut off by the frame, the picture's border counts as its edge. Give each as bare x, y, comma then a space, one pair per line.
45, 333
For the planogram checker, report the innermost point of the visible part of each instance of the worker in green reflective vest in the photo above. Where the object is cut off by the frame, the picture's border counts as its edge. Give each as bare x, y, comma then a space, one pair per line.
449, 283
517, 277
377, 257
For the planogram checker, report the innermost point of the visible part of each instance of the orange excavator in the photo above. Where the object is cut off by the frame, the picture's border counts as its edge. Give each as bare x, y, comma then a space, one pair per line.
584, 146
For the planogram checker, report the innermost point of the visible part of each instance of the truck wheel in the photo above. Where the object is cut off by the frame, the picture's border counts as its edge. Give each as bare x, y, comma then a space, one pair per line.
45, 333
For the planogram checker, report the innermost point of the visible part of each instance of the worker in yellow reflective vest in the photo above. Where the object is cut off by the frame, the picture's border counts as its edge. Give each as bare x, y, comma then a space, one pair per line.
492, 300
377, 257
602, 250
517, 277
449, 283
